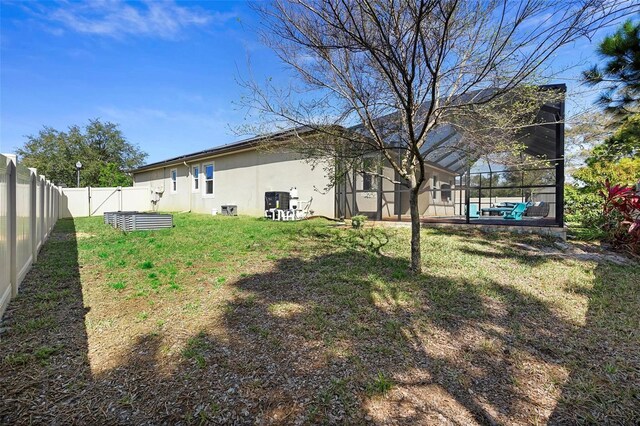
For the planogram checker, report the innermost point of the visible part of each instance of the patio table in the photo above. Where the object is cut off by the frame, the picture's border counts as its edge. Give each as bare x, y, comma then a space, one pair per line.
496, 211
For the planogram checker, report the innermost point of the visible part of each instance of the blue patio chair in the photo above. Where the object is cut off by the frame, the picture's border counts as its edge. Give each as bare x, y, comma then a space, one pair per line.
516, 213
473, 211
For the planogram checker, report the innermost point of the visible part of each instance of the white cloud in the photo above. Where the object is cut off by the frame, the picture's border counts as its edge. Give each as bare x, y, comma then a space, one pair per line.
117, 19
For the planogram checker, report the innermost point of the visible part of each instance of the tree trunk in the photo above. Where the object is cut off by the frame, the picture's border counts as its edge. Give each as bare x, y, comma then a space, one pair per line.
416, 258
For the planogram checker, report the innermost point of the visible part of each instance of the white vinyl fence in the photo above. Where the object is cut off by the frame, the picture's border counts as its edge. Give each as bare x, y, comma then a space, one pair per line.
30, 206
79, 202
28, 211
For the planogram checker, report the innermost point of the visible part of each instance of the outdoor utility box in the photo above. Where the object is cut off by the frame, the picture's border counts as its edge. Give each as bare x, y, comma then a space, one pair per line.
229, 210
276, 200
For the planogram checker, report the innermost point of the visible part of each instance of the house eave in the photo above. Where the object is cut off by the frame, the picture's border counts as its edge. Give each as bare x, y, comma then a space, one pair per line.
232, 148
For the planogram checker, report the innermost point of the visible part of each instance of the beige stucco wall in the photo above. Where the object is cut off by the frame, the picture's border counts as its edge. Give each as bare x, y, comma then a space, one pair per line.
366, 202
240, 178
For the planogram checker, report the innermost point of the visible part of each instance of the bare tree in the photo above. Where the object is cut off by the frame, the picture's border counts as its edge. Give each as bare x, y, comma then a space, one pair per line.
398, 69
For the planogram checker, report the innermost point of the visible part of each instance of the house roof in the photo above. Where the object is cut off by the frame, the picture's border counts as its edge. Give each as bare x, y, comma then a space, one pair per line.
539, 139
227, 148
439, 149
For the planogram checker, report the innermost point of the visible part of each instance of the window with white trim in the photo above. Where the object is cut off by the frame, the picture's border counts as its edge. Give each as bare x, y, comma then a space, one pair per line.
174, 180
208, 179
195, 173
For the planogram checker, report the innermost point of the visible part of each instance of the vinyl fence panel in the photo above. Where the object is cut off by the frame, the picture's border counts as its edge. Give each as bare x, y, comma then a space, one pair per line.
105, 200
137, 198
28, 212
5, 281
82, 202
24, 252
74, 202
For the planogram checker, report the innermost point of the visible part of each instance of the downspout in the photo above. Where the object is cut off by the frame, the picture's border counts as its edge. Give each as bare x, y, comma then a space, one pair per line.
189, 192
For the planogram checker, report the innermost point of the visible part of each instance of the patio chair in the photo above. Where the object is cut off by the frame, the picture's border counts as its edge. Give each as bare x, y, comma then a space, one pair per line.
473, 211
304, 209
539, 209
516, 213
302, 212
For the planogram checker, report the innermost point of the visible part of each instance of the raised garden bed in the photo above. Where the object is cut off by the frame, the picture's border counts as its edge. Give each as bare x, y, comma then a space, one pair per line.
137, 221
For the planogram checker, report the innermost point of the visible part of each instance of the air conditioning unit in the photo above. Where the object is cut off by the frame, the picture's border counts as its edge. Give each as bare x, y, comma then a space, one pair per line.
276, 200
229, 210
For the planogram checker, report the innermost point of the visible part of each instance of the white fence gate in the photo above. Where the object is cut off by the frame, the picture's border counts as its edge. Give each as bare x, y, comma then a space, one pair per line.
80, 202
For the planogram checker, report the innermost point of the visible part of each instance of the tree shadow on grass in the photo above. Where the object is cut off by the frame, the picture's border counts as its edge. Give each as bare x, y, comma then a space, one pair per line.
45, 367
432, 336
347, 336
604, 382
319, 340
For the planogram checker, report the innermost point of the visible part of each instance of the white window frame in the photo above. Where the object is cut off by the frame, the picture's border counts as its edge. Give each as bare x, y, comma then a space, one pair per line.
195, 180
173, 189
204, 180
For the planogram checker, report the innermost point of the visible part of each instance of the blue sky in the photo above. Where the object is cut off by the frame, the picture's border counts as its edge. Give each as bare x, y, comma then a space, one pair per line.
166, 72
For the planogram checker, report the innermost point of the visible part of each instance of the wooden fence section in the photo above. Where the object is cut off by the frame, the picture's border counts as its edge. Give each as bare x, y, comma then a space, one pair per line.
29, 206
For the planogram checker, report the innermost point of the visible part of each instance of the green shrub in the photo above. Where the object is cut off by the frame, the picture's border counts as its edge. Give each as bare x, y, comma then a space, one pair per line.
358, 221
583, 207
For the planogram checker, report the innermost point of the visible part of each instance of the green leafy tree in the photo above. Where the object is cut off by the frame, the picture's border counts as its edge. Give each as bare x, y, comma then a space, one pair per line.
583, 203
620, 75
583, 207
624, 143
111, 175
617, 158
104, 152
623, 172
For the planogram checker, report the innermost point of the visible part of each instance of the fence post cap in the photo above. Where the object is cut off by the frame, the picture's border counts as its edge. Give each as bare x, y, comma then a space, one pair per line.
11, 158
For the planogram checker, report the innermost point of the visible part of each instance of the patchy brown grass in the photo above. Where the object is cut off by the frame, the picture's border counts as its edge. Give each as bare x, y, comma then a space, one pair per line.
238, 320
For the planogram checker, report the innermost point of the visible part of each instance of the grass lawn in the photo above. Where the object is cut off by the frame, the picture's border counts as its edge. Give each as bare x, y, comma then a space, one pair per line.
240, 320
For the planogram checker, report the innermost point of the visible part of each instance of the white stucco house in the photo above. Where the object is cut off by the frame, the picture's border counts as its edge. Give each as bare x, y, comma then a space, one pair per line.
241, 173
237, 174
455, 190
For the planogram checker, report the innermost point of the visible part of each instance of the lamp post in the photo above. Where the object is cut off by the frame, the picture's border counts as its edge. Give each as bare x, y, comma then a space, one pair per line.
78, 167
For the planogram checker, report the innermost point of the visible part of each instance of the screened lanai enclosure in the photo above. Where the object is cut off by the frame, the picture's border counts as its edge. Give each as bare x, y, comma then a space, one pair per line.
472, 189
